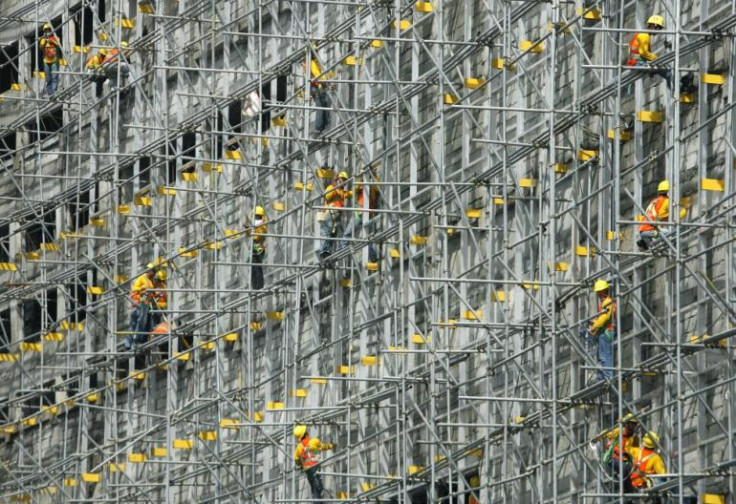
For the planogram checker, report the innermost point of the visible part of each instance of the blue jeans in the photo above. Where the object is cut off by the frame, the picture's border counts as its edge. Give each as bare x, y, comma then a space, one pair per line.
323, 101
605, 354
329, 228
52, 77
140, 325
354, 225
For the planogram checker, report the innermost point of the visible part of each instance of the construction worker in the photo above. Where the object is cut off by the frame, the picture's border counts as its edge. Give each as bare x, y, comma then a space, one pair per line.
116, 58
256, 230
305, 457
602, 329
160, 296
619, 460
645, 462
331, 224
318, 90
355, 222
140, 295
94, 68
640, 53
657, 210
474, 484
51, 56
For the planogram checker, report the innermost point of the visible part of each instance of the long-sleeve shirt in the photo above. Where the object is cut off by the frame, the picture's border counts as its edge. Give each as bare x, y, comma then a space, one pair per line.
50, 46
139, 287
657, 210
607, 318
639, 47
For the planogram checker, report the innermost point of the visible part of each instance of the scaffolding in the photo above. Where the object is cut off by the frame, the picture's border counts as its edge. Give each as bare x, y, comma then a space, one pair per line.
513, 153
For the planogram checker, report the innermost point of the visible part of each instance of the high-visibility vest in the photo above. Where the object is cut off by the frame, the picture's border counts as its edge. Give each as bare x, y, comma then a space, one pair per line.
603, 305
642, 467
161, 297
304, 455
140, 286
652, 212
638, 42
335, 196
95, 61
50, 49
162, 328
372, 199
259, 228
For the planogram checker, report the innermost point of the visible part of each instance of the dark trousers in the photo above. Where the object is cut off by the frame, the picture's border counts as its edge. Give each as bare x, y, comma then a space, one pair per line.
256, 272
140, 325
315, 482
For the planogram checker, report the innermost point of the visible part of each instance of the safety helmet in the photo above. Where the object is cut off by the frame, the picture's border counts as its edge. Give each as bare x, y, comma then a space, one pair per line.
260, 211
663, 186
123, 44
343, 175
149, 266
299, 431
103, 51
314, 444
47, 26
650, 440
162, 275
474, 481
600, 285
629, 418
656, 21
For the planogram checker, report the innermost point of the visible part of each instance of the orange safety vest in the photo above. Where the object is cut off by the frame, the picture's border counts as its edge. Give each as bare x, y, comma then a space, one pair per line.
140, 286
306, 457
616, 455
609, 327
641, 468
162, 328
372, 199
161, 297
50, 49
652, 212
335, 197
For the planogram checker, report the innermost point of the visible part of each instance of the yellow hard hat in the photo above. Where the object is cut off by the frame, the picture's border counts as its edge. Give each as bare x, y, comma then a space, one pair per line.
650, 440
474, 481
299, 431
48, 26
149, 266
103, 51
664, 186
314, 444
629, 418
343, 175
162, 275
600, 285
260, 211
123, 44
656, 20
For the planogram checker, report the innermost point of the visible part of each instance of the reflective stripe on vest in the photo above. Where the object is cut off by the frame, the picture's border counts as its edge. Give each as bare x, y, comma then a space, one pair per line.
640, 470
652, 213
308, 458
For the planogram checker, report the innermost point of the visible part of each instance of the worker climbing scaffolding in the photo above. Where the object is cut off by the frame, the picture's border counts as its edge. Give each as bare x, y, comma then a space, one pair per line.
51, 58
145, 298
658, 210
256, 229
319, 89
355, 221
618, 444
640, 53
332, 218
646, 462
305, 458
602, 330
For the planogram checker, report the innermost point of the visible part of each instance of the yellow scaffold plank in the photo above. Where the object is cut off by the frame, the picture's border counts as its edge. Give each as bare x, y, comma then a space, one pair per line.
419, 339
119, 467
274, 406
376, 43
714, 499
583, 251
498, 296
473, 82
473, 314
165, 191
414, 469
346, 370
137, 458
183, 444
707, 184
318, 381
210, 167
70, 482
713, 79
8, 266
300, 392
624, 135
97, 222
449, 99
275, 315
95, 290
419, 240
655, 116
586, 154
184, 252
229, 423
233, 155
8, 357
372, 266
474, 213
123, 209
529, 45
687, 98
590, 14
91, 477
325, 173
352, 61
231, 337
207, 435
27, 346
403, 24
124, 23
370, 360
528, 183
300, 186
